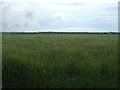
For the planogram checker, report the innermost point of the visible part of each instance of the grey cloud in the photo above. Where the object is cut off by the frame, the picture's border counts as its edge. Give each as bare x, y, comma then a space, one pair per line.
17, 25
58, 18
5, 24
26, 25
29, 15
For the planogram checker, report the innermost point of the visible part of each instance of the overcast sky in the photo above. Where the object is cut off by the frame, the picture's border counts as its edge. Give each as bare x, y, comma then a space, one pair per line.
59, 15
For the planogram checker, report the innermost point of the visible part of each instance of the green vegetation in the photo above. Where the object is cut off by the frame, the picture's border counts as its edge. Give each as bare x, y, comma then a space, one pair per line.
60, 60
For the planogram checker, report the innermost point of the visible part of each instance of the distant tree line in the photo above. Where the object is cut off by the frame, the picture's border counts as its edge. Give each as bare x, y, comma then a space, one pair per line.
61, 32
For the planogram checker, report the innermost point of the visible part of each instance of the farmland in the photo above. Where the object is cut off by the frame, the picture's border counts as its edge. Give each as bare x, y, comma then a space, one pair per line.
60, 60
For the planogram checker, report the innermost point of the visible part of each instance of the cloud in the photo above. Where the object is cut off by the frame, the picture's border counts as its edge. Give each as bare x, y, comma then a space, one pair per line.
59, 15
24, 15
29, 15
61, 1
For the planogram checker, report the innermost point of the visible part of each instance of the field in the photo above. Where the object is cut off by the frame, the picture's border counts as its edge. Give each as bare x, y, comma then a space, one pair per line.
60, 60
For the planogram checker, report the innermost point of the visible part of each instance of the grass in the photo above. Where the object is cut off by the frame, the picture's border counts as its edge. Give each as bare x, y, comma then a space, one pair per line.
60, 61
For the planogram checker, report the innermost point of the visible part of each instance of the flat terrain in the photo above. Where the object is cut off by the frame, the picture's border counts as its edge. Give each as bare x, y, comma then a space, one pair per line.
60, 60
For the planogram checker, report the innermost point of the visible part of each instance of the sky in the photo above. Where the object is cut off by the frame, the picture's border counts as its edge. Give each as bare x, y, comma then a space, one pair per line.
59, 15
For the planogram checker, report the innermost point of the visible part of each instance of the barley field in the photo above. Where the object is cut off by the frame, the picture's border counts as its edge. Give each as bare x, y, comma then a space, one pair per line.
60, 60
